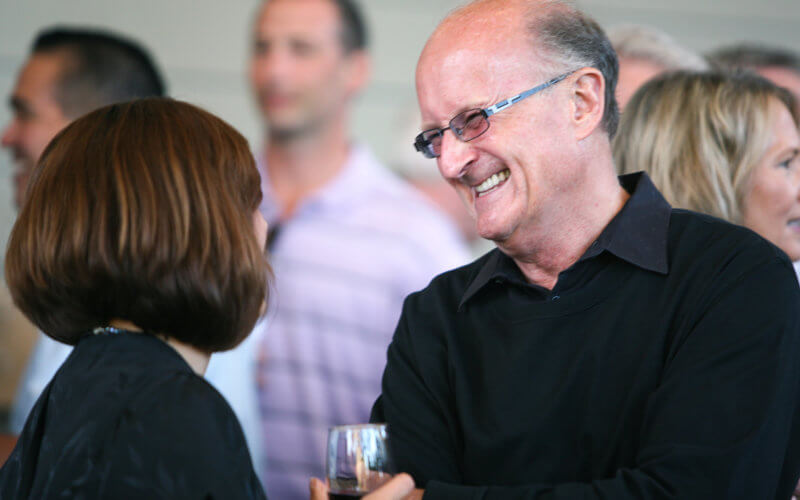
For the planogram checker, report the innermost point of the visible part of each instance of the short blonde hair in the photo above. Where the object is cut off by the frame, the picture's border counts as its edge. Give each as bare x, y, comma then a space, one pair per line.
699, 136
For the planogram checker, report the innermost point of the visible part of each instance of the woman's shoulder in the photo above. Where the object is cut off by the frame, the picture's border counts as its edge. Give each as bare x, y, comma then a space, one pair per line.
168, 434
185, 404
183, 437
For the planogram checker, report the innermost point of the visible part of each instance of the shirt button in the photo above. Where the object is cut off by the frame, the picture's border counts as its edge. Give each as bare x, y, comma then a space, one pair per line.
556, 297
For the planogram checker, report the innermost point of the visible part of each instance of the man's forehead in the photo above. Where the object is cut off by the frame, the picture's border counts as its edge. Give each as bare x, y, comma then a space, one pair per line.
300, 18
447, 72
456, 77
783, 77
38, 77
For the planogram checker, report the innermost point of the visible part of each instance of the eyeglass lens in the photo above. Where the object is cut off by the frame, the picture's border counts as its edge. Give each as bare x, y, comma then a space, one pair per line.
467, 125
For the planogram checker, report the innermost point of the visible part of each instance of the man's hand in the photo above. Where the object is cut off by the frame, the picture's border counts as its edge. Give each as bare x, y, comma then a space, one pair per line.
401, 487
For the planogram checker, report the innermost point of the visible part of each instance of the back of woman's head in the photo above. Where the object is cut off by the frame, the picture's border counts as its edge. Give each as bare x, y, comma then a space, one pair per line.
699, 136
142, 211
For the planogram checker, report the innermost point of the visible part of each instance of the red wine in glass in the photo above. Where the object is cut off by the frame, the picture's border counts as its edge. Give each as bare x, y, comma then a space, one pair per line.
346, 495
358, 460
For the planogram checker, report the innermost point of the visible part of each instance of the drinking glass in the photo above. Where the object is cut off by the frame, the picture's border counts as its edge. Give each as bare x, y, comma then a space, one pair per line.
358, 460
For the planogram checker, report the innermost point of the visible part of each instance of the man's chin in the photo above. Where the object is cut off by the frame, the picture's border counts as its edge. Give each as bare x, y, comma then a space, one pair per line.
285, 129
492, 232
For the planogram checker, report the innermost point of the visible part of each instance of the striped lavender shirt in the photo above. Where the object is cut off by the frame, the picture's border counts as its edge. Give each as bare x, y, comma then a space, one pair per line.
343, 265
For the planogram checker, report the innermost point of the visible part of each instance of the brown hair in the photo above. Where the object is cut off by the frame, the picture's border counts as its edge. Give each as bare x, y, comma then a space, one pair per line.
142, 211
700, 136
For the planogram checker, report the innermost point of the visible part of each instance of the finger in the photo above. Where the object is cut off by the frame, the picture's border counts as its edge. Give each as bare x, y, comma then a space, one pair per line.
400, 486
318, 489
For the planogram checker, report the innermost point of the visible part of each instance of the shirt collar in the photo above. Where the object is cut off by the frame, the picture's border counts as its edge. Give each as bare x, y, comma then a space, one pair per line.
355, 178
637, 234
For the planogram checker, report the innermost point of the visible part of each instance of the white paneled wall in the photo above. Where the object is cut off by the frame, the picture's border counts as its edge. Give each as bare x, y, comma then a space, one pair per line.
201, 45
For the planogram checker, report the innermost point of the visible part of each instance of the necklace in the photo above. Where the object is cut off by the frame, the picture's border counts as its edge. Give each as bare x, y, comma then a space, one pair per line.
111, 330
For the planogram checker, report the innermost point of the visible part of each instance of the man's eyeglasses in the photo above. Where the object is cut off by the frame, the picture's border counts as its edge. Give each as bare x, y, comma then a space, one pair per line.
471, 123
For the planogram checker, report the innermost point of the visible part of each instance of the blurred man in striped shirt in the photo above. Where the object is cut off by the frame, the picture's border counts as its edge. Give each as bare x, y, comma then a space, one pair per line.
348, 239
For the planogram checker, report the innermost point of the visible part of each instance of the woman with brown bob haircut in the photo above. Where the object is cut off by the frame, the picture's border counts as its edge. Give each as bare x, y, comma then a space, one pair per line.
140, 242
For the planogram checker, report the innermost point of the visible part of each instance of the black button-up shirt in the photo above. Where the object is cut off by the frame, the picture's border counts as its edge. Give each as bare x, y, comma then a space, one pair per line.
667, 368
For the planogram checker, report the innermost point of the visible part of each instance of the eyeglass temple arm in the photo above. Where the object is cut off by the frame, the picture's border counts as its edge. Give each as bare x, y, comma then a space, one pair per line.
508, 102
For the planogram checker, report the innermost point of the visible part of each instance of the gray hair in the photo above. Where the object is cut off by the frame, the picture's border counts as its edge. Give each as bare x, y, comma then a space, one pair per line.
755, 56
649, 44
576, 40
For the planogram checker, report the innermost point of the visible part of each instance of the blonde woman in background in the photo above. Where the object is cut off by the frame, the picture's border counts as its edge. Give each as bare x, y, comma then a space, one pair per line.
725, 144
721, 144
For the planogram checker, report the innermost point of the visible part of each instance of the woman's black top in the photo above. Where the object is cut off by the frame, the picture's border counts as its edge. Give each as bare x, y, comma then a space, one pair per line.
126, 417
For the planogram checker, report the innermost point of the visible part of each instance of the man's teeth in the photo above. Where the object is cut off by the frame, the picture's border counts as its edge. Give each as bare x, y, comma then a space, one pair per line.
492, 181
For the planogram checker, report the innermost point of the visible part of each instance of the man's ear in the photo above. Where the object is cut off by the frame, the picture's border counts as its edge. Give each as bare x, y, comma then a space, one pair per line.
588, 101
360, 70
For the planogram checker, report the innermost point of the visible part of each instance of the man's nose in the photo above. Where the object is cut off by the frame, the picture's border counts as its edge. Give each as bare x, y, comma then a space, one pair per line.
268, 66
10, 134
276, 63
455, 156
